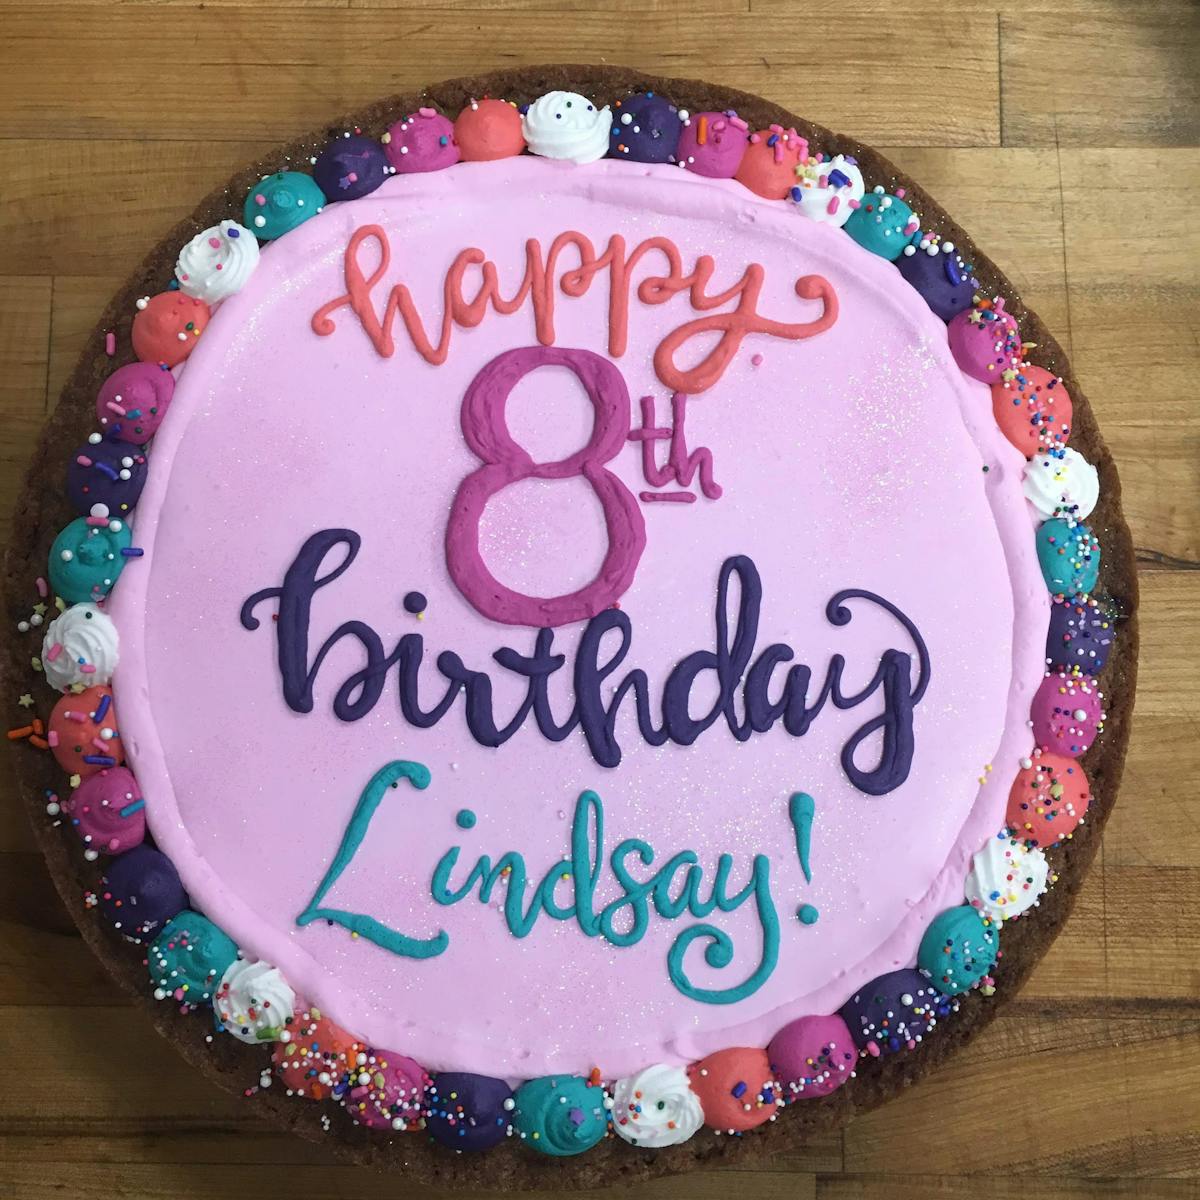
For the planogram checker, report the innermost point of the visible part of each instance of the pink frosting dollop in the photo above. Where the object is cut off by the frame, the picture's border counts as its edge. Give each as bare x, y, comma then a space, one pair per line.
985, 341
1067, 713
95, 809
423, 141
133, 400
812, 1056
713, 144
387, 1092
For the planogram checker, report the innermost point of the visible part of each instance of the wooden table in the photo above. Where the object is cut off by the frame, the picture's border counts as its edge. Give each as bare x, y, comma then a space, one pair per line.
1063, 133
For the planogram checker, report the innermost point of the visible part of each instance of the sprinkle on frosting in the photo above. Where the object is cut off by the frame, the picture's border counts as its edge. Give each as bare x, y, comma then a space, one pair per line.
713, 144
1033, 409
422, 141
83, 732
487, 130
1069, 555
895, 1012
1081, 634
1067, 713
883, 223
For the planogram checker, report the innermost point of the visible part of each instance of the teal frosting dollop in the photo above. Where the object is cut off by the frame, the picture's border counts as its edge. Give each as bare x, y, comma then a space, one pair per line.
959, 948
188, 958
560, 1115
879, 224
1069, 555
85, 560
280, 202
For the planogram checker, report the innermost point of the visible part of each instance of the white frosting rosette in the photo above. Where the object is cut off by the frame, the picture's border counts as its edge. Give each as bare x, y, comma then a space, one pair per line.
217, 262
1061, 484
656, 1107
254, 1001
568, 126
80, 648
826, 189
1007, 878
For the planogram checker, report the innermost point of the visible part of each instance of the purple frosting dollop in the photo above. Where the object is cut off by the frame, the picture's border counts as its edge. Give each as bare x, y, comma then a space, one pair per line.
141, 892
94, 476
350, 167
645, 128
942, 279
1080, 635
466, 1112
894, 1011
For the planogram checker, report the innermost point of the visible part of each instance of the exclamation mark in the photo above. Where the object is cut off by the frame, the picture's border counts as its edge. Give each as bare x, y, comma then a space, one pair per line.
801, 809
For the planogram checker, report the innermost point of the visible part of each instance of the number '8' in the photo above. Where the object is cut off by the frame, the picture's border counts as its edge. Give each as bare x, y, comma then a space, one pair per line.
504, 462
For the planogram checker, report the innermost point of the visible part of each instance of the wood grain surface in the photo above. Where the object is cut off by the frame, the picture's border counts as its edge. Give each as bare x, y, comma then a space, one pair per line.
1065, 134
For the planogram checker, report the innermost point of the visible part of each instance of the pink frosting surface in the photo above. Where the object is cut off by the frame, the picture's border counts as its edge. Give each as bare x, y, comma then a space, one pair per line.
852, 459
